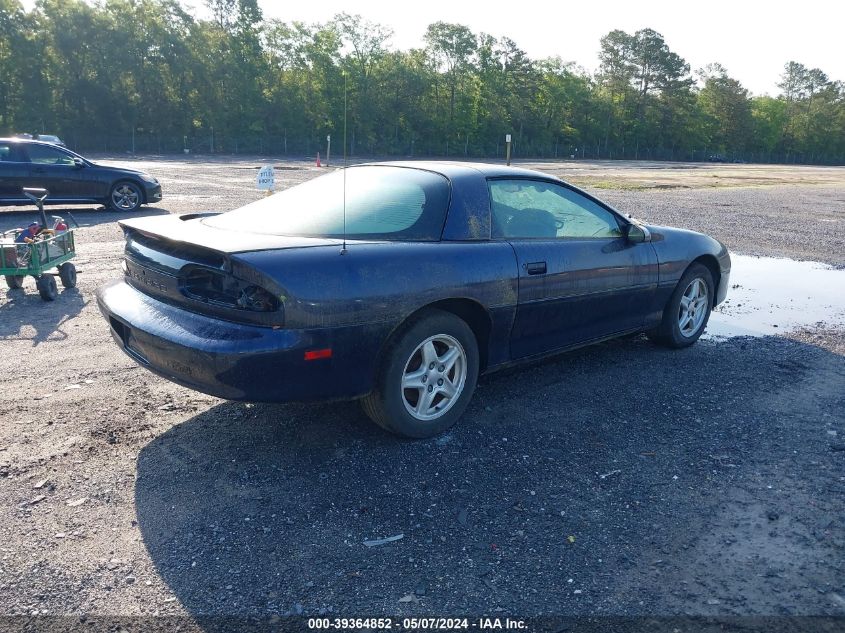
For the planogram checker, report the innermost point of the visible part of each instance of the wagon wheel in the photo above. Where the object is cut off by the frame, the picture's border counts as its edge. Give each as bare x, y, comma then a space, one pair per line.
14, 281
46, 285
67, 273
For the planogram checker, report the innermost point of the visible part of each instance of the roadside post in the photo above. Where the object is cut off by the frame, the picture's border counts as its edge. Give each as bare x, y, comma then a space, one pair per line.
266, 179
328, 148
508, 146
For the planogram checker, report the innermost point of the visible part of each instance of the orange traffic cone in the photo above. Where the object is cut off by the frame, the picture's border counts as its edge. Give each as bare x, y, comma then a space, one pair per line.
318, 160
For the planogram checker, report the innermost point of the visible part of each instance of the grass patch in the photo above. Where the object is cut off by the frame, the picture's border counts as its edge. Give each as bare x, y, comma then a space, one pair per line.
619, 185
714, 181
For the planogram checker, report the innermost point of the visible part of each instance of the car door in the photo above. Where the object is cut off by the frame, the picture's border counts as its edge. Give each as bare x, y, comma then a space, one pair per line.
12, 172
54, 169
580, 278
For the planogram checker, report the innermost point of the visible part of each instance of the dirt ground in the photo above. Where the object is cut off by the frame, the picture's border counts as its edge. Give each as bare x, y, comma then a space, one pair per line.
622, 479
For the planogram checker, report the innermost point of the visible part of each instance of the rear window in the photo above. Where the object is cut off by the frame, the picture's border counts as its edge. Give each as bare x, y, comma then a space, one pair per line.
382, 202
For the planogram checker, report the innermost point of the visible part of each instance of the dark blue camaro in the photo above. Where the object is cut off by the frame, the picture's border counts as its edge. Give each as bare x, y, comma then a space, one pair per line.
399, 283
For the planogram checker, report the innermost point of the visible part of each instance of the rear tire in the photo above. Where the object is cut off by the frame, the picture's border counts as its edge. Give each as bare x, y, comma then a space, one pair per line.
427, 376
47, 288
67, 273
687, 311
14, 282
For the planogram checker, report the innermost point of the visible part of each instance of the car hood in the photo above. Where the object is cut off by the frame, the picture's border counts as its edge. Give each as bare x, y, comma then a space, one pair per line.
119, 170
666, 232
659, 233
189, 229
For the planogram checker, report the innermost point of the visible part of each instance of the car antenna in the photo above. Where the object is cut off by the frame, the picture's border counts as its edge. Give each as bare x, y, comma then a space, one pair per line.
343, 248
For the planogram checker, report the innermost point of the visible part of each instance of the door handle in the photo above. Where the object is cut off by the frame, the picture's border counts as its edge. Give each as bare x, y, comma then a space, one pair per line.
40, 170
536, 268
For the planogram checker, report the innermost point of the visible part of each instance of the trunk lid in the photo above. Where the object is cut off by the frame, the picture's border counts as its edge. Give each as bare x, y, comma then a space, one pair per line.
184, 262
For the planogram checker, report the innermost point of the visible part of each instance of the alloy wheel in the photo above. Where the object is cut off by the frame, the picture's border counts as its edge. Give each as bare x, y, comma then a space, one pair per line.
434, 377
125, 197
692, 309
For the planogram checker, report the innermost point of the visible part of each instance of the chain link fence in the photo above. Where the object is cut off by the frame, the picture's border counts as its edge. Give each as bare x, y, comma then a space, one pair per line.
297, 147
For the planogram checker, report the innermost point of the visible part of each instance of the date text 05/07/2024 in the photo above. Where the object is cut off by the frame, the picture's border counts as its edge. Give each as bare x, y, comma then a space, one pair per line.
416, 624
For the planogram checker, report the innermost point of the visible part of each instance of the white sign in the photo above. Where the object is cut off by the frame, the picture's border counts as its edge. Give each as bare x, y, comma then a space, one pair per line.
329, 138
266, 179
507, 138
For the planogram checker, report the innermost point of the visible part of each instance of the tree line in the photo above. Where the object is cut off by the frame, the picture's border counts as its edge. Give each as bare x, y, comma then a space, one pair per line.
147, 75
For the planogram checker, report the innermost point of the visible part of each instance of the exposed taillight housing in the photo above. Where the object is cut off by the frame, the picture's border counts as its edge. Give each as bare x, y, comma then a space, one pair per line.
257, 299
218, 289
202, 280
223, 289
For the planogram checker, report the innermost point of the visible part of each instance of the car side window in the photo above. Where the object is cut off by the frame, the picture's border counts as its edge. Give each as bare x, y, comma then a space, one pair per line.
8, 153
43, 155
523, 208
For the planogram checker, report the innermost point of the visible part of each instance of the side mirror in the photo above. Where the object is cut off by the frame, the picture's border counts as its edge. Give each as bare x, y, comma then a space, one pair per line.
78, 163
637, 234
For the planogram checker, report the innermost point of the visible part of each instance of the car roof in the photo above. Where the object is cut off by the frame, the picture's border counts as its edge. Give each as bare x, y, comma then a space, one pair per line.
469, 208
471, 180
25, 141
453, 169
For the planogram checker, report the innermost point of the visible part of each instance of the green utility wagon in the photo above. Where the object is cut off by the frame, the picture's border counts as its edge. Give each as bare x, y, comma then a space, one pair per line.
47, 248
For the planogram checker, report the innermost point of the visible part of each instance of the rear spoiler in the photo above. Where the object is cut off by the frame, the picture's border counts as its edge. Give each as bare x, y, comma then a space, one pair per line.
191, 230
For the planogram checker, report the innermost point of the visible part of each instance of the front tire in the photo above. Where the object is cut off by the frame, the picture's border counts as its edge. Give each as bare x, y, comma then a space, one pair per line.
15, 282
688, 309
125, 196
427, 377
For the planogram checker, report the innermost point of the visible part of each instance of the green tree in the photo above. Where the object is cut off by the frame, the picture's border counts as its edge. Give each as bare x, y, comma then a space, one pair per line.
451, 47
727, 108
73, 67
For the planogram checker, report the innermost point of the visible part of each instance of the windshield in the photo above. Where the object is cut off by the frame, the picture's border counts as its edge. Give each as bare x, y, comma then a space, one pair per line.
382, 202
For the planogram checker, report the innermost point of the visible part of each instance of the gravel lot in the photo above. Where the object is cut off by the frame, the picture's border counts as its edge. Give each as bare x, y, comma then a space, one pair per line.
622, 479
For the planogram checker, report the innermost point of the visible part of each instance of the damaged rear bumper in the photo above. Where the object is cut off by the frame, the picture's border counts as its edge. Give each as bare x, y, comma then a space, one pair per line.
237, 361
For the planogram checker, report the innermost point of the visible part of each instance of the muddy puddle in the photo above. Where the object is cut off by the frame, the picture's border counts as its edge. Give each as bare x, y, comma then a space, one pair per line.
772, 295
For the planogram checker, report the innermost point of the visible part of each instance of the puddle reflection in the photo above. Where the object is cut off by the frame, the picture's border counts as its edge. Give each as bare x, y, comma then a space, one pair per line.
770, 295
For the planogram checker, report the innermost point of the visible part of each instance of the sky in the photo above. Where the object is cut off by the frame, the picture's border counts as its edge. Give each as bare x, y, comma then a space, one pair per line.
753, 39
